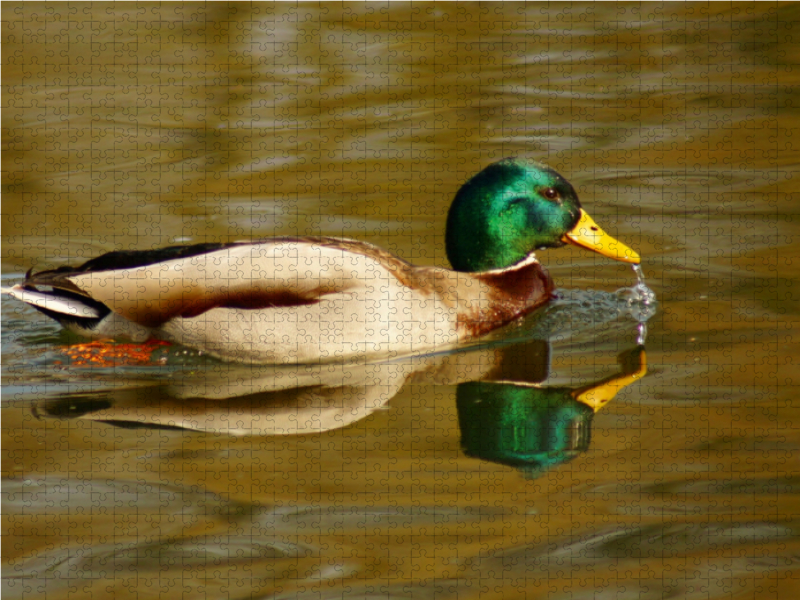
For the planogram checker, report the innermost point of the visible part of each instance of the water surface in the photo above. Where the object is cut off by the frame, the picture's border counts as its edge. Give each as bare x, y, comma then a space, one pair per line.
135, 126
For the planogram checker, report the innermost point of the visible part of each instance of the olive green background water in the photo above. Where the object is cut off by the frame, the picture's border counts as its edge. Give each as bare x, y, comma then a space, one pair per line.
140, 125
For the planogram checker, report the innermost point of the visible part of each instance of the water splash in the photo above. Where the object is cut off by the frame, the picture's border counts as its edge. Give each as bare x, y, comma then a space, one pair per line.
642, 337
583, 313
640, 300
644, 296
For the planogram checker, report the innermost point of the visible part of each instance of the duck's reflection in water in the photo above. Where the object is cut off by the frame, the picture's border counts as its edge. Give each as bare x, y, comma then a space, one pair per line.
505, 413
512, 419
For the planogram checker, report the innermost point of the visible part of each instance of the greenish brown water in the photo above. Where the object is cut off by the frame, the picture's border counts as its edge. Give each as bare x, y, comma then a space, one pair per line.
140, 125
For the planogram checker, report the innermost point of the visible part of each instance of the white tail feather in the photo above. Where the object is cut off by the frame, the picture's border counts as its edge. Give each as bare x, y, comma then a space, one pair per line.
52, 301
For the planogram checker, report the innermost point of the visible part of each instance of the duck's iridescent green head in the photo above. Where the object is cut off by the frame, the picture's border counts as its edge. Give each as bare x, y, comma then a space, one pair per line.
514, 207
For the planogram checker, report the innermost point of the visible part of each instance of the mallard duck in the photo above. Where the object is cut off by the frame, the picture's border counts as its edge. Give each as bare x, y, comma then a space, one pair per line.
306, 299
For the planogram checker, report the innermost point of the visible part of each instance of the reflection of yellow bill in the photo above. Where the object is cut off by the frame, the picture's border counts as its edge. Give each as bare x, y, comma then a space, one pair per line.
599, 394
587, 234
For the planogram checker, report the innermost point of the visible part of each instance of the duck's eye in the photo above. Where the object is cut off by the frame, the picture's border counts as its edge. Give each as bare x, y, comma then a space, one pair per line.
550, 193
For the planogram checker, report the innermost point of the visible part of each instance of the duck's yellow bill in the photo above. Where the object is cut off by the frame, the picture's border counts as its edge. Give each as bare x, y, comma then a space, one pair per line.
587, 234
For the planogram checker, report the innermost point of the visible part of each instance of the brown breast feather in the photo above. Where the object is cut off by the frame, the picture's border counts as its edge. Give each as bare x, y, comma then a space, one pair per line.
506, 296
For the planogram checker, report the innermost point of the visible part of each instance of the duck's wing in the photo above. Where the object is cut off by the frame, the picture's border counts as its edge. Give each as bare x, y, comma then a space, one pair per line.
153, 287
66, 299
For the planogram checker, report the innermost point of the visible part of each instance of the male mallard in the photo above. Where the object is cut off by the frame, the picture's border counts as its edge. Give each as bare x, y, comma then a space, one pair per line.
305, 299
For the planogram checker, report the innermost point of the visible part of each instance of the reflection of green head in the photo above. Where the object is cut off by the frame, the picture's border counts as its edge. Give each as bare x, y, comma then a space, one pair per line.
507, 211
522, 426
